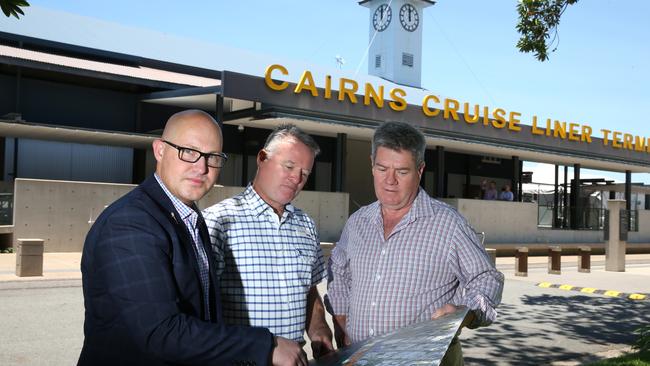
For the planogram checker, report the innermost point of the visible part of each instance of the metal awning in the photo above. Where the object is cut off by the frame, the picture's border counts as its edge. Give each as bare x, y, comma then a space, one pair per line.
21, 129
198, 98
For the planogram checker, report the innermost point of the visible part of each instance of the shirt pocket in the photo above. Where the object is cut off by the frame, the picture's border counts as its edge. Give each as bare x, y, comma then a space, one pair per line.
304, 258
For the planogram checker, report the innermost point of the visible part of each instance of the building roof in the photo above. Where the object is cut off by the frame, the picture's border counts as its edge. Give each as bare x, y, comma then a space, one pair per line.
132, 43
23, 129
11, 55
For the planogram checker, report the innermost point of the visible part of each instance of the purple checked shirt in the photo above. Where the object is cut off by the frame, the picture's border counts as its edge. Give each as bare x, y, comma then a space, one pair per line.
431, 258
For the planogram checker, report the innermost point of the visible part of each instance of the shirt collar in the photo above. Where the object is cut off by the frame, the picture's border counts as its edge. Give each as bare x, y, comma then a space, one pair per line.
258, 206
420, 208
184, 210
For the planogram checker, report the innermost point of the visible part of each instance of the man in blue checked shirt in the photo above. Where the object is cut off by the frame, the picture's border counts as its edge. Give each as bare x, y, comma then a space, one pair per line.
407, 257
268, 251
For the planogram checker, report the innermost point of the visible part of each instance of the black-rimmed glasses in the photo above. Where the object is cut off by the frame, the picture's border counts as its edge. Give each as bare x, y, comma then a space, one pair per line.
189, 155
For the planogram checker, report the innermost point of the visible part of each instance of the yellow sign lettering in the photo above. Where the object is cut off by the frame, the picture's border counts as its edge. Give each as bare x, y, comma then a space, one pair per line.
605, 136
470, 118
499, 121
344, 90
270, 82
513, 121
425, 106
306, 82
451, 108
398, 102
370, 93
534, 130
559, 129
573, 132
328, 87
616, 140
639, 143
627, 141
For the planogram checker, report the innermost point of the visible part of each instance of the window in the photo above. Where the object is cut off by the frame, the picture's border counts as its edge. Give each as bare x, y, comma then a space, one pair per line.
377, 61
407, 59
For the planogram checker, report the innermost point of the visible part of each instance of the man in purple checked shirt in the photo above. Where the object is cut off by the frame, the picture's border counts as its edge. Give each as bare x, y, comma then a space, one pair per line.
407, 257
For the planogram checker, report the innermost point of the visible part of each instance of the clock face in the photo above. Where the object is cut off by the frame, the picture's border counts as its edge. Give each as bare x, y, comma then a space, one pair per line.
409, 17
381, 17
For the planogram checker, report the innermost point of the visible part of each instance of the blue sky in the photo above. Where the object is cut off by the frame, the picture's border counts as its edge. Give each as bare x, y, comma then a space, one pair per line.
598, 76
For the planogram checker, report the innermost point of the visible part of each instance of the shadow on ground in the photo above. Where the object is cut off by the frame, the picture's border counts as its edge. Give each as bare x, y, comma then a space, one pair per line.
547, 328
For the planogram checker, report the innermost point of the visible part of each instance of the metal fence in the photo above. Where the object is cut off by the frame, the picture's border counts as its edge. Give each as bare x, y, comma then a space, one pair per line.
6, 208
586, 219
567, 218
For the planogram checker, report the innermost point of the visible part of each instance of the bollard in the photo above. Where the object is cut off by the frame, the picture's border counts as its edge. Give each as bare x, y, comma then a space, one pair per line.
493, 255
584, 259
29, 257
554, 260
615, 244
521, 262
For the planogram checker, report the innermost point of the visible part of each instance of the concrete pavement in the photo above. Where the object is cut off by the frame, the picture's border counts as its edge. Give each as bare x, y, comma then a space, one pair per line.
56, 266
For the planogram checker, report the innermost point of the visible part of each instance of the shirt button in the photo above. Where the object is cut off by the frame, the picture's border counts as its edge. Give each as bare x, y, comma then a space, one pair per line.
371, 332
373, 303
378, 277
383, 251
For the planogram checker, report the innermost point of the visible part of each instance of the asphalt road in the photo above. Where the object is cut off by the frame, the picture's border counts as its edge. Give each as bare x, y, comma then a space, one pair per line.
541, 326
42, 324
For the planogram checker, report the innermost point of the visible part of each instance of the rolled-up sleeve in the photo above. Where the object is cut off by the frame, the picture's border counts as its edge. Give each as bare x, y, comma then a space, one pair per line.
481, 283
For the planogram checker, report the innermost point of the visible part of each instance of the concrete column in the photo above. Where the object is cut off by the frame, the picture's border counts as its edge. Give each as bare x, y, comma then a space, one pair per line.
338, 178
515, 182
576, 205
440, 172
614, 247
556, 201
628, 190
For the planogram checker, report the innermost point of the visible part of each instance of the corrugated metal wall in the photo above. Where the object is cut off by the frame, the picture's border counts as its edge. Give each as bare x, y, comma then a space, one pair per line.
70, 161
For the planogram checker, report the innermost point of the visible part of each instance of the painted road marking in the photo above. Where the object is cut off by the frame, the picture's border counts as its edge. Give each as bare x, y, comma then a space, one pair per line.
591, 290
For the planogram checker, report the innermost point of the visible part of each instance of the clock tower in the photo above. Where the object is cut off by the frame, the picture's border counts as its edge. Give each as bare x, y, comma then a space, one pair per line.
396, 51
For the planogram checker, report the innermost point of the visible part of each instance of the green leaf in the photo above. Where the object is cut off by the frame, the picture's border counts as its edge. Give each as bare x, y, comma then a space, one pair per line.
538, 19
13, 7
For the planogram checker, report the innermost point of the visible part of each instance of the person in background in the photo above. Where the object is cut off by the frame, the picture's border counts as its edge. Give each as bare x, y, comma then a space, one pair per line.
491, 192
407, 257
268, 250
506, 194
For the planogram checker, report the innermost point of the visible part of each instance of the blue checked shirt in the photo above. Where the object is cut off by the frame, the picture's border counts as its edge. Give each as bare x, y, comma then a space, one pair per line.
431, 258
191, 218
266, 264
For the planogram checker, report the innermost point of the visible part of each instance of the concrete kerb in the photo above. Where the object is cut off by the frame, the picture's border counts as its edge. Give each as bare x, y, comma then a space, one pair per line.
56, 266
633, 284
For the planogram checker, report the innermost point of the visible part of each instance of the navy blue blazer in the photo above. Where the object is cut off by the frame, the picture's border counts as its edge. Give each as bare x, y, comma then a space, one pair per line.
143, 295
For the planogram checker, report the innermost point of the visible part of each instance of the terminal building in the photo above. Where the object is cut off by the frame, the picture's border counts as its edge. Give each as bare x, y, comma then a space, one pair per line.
80, 107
